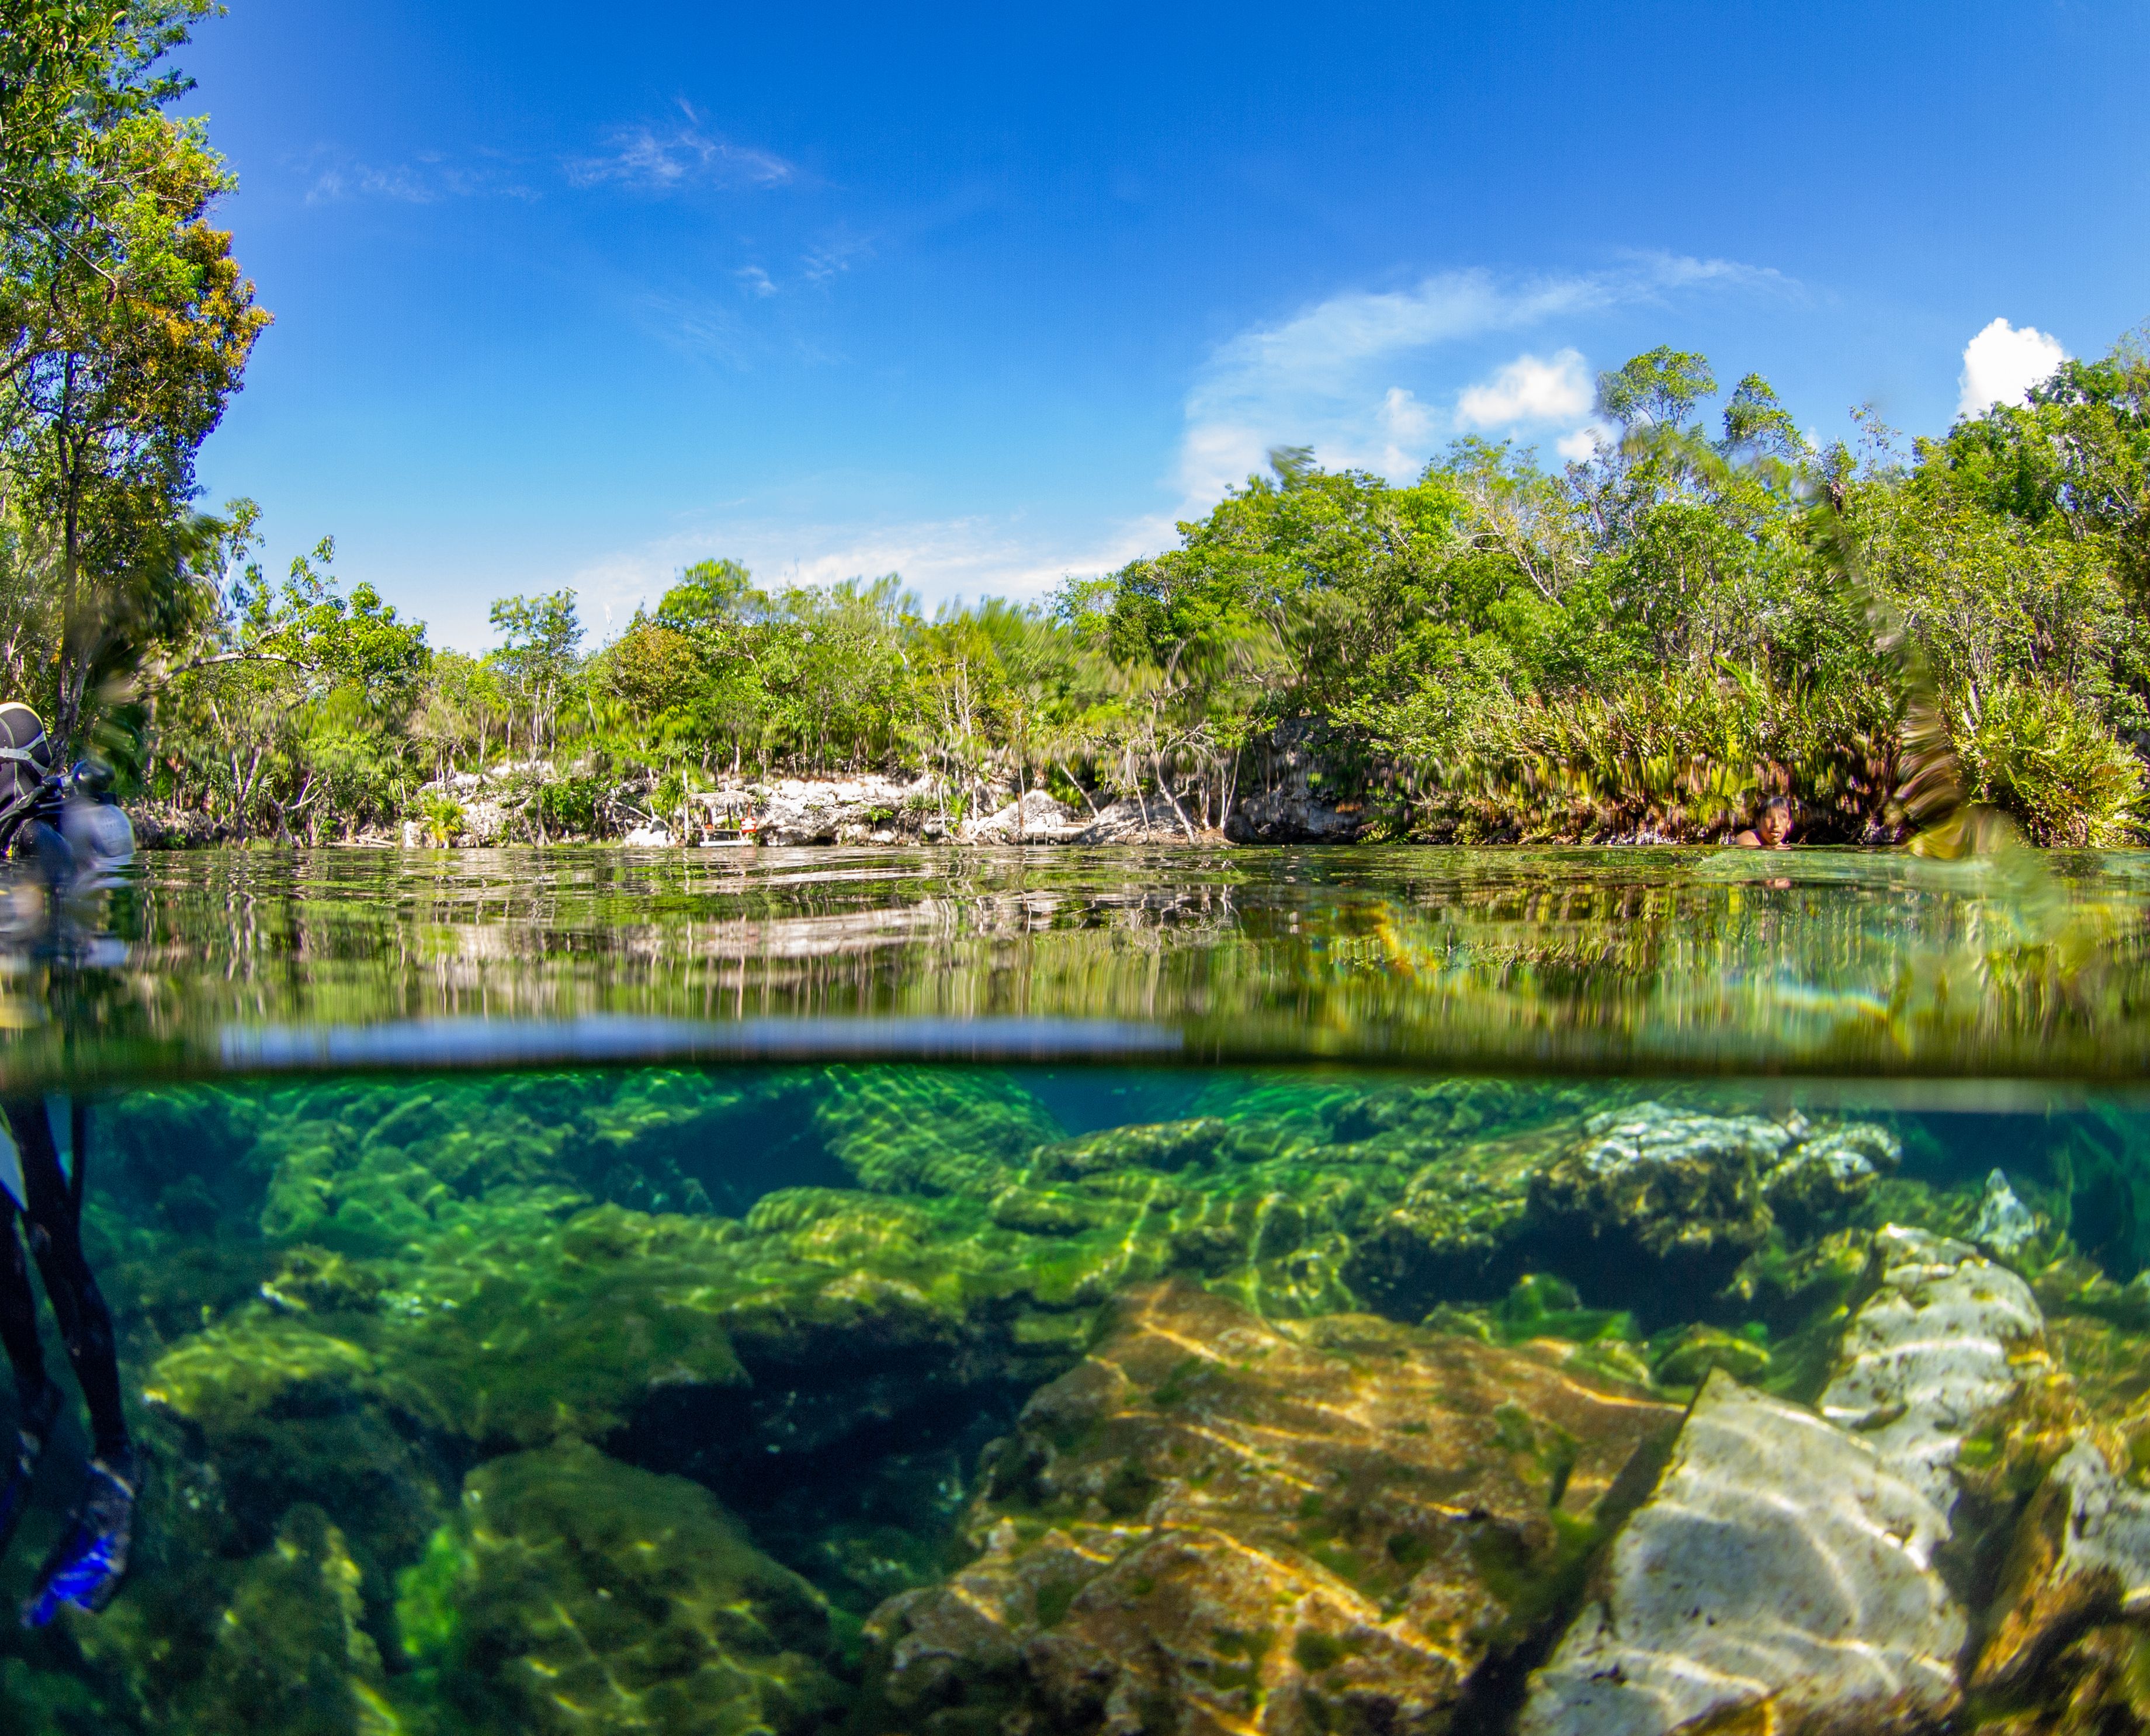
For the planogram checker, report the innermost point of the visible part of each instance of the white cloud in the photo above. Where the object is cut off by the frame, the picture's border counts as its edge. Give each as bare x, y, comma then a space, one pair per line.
1407, 422
754, 280
658, 160
1403, 416
1528, 390
1682, 271
833, 257
1583, 444
2003, 362
1315, 379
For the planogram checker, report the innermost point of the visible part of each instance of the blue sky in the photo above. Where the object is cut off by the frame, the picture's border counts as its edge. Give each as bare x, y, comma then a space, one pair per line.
983, 296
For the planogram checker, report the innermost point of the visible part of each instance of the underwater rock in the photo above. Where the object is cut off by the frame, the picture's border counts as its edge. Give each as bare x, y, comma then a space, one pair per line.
575, 1596
1670, 1184
1782, 1570
1689, 1188
310, 1280
1229, 1522
2081, 1553
290, 1658
366, 1168
1823, 1178
1169, 1146
1694, 1351
2005, 1225
929, 1130
2097, 1685
1544, 1312
1946, 1339
532, 1329
1449, 1233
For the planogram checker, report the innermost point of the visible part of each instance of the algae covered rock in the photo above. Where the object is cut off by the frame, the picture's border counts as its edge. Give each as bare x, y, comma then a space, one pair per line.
533, 1327
2080, 1554
1220, 1519
1665, 1181
290, 1657
929, 1130
1458, 1217
575, 1596
1686, 1357
1169, 1145
1826, 1176
1781, 1574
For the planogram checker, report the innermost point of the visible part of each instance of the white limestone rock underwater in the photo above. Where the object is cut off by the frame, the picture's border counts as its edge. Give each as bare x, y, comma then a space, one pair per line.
1947, 1337
2081, 1555
2004, 1223
1783, 1568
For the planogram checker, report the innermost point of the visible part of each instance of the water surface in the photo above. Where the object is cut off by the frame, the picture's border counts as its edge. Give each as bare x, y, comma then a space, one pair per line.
1829, 963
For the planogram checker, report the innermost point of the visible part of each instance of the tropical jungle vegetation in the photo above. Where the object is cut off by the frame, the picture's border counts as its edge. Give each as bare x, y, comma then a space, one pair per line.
1648, 642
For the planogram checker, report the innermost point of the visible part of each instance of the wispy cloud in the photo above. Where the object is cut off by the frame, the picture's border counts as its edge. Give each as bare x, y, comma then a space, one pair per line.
663, 159
1325, 376
424, 179
941, 559
697, 326
833, 257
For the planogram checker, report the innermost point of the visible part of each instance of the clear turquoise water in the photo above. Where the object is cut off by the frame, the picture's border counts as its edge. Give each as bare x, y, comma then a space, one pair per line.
587, 1292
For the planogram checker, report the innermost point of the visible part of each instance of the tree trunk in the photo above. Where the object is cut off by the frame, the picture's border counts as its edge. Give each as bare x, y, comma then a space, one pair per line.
1157, 765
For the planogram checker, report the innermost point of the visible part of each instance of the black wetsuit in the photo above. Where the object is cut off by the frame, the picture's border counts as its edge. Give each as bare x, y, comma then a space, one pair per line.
50, 1219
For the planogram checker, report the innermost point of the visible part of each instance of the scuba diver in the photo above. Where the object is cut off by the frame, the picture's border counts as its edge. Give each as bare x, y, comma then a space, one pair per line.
67, 828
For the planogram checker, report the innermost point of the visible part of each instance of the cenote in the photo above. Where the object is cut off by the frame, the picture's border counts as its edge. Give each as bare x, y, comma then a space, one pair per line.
1382, 1290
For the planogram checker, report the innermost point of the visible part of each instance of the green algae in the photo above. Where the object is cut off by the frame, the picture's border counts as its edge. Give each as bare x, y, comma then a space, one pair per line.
425, 1362
574, 1594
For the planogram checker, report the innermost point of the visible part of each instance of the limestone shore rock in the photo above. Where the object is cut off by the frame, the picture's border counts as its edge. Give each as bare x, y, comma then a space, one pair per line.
867, 810
1783, 1570
1222, 1523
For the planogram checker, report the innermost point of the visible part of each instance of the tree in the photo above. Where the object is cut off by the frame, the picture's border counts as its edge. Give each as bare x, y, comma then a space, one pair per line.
296, 706
125, 326
1657, 389
539, 653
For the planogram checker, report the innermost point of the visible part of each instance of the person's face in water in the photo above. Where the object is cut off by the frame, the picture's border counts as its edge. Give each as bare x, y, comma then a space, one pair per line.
1773, 827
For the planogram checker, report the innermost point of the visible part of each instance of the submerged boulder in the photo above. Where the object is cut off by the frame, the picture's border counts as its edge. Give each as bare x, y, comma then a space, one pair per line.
1946, 1339
1783, 1570
575, 1596
290, 1658
1825, 1177
928, 1130
1666, 1202
2080, 1555
2005, 1226
1224, 1521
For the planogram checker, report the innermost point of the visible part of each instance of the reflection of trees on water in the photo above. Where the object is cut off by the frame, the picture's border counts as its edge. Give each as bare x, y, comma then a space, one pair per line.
1585, 958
